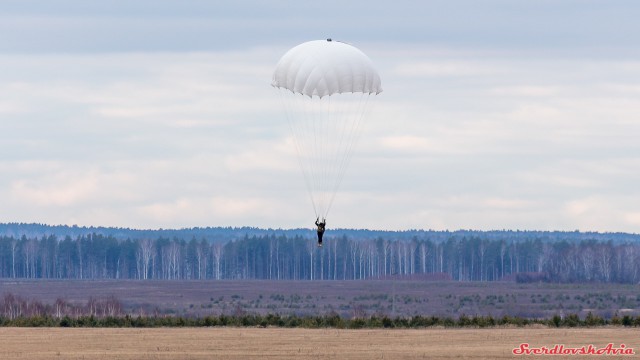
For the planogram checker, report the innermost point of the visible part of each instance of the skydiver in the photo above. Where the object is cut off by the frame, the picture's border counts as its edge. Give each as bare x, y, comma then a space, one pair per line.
320, 226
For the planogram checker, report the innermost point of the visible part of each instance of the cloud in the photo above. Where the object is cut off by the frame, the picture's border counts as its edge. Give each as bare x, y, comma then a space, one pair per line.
527, 91
63, 190
447, 68
597, 211
462, 137
8, 108
406, 142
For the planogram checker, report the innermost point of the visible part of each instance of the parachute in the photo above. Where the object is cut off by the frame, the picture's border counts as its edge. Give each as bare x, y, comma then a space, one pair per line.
326, 89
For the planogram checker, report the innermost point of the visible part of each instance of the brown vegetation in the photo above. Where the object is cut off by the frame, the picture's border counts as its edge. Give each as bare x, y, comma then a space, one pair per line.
347, 298
248, 343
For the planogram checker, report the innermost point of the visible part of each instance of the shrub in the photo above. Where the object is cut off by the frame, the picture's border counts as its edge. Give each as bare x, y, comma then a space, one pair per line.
572, 320
66, 322
387, 323
593, 320
615, 320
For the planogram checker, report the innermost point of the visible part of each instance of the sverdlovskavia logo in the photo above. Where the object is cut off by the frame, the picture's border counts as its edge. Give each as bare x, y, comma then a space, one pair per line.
560, 349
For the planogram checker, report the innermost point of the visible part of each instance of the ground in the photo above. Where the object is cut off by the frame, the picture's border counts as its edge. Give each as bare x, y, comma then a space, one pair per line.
347, 298
278, 343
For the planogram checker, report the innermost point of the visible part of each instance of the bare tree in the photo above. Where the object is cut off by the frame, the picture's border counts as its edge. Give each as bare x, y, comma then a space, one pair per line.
588, 263
12, 306
217, 259
353, 250
385, 255
321, 254
79, 246
603, 260
631, 267
424, 253
112, 306
59, 307
174, 257
272, 250
362, 252
503, 251
334, 245
412, 255
441, 256
92, 306
14, 245
30, 252
482, 249
143, 254
311, 248
373, 264
201, 255
404, 256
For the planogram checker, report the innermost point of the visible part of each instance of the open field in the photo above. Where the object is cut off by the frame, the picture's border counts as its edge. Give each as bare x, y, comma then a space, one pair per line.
369, 297
247, 343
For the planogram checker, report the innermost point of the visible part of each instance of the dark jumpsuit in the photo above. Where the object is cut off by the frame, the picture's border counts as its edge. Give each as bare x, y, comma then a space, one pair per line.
320, 226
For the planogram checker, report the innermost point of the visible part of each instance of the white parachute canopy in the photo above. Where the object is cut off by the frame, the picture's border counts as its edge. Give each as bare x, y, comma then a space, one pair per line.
326, 87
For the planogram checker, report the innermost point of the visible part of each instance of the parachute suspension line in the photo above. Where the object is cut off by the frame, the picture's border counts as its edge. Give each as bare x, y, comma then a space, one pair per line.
340, 122
323, 141
308, 145
325, 132
312, 121
330, 148
337, 120
293, 109
362, 109
326, 148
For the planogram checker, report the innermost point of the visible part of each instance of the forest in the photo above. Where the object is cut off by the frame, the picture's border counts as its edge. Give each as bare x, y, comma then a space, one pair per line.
293, 255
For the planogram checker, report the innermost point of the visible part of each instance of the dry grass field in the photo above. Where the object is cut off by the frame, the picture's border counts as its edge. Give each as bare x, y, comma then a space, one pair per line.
440, 298
278, 343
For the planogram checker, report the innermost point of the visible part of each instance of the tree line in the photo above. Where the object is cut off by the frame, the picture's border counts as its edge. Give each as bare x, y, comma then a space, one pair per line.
224, 234
14, 307
282, 257
109, 312
314, 322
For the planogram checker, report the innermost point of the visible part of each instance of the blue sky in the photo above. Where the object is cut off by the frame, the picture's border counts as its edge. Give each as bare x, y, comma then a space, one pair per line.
148, 114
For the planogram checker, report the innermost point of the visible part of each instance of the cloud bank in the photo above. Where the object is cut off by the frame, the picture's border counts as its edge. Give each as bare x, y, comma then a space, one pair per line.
123, 125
